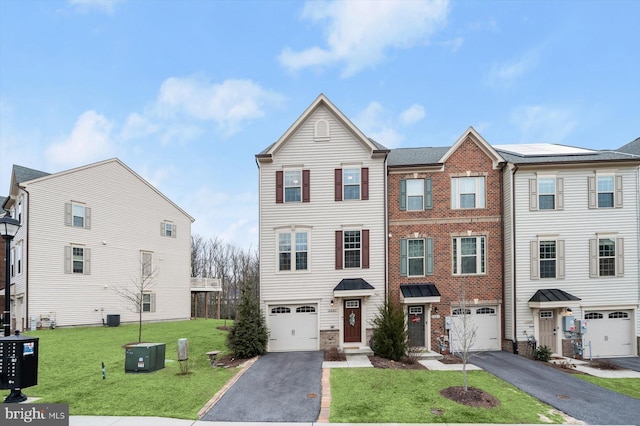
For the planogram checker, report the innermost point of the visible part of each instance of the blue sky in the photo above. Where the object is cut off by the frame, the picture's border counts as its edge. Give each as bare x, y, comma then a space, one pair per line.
187, 92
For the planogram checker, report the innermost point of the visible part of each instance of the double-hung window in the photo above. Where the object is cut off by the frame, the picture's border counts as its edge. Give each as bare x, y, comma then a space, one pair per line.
77, 260
547, 258
606, 255
168, 229
546, 193
416, 257
352, 183
148, 302
415, 194
469, 255
77, 215
468, 192
605, 191
352, 249
292, 186
293, 251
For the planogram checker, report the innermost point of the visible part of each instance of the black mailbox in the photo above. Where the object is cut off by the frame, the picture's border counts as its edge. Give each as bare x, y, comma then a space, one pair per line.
18, 362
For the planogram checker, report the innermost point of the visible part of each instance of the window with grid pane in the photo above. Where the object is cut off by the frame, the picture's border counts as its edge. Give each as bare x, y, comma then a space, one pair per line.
292, 186
415, 257
301, 250
469, 254
78, 260
351, 183
548, 258
606, 189
284, 251
293, 251
607, 257
352, 248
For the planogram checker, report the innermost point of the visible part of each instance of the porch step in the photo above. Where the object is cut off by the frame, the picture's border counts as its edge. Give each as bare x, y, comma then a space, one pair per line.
361, 350
428, 355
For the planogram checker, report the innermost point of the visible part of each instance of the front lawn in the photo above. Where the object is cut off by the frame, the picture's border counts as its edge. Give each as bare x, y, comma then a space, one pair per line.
70, 371
372, 395
630, 387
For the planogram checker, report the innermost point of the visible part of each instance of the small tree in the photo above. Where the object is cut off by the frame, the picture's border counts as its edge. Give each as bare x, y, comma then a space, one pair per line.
389, 334
248, 336
135, 294
464, 332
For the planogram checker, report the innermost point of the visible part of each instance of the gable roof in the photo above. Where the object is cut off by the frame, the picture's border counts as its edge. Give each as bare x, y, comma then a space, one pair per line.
632, 147
482, 144
416, 156
375, 148
31, 176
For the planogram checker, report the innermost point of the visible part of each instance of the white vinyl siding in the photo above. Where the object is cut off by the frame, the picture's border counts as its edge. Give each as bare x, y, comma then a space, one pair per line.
325, 216
111, 249
547, 259
77, 260
605, 191
606, 257
77, 215
546, 193
168, 229
576, 225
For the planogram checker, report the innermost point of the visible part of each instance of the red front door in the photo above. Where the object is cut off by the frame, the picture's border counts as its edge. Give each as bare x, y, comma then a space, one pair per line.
352, 325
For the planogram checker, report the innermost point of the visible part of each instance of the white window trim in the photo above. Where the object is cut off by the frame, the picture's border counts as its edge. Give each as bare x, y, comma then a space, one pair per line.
421, 194
480, 192
143, 264
284, 184
344, 249
424, 257
292, 231
479, 261
344, 184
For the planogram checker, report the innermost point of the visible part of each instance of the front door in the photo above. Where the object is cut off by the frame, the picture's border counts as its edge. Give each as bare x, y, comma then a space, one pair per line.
547, 322
352, 325
416, 326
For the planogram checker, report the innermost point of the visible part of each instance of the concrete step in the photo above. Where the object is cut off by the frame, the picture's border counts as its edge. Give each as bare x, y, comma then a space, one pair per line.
357, 350
427, 355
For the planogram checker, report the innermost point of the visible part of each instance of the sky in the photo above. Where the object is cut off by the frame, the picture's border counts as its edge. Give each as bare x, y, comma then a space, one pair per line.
187, 92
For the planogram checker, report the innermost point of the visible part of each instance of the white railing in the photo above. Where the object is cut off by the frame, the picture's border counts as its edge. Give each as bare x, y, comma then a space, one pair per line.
206, 284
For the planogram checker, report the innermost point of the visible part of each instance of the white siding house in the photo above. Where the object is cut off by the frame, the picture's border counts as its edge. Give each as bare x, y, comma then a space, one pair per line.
322, 232
571, 248
88, 233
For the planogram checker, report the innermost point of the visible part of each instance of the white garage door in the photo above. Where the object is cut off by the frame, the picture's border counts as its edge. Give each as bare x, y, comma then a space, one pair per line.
610, 333
293, 328
484, 321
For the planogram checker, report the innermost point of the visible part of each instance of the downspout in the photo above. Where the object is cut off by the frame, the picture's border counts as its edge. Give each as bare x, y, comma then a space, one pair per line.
386, 231
259, 235
26, 268
638, 242
513, 258
502, 326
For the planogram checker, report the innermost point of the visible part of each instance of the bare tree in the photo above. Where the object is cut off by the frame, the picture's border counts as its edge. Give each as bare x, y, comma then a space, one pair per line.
139, 287
464, 332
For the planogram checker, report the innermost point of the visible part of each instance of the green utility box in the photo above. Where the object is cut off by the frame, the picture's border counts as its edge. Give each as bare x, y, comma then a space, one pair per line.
144, 357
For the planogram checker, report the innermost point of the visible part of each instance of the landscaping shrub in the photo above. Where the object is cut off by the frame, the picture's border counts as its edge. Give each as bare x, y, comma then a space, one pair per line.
543, 353
389, 336
248, 337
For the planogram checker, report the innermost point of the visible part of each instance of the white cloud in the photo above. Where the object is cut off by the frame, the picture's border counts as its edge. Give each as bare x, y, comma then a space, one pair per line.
185, 106
539, 123
89, 141
411, 115
358, 33
454, 44
506, 73
107, 6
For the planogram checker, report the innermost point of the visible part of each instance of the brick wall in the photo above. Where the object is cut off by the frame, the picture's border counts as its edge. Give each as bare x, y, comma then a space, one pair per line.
442, 223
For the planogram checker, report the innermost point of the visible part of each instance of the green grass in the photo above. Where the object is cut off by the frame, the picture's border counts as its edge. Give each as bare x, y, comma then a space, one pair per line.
630, 387
70, 371
371, 395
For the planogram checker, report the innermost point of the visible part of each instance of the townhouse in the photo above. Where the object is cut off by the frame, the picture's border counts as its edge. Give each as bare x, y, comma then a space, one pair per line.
88, 234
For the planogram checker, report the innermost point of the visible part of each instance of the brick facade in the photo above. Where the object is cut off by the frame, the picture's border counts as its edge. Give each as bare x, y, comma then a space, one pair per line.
442, 224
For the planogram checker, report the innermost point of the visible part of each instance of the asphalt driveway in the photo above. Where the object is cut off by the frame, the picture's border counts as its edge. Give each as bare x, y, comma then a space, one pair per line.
278, 387
628, 362
577, 398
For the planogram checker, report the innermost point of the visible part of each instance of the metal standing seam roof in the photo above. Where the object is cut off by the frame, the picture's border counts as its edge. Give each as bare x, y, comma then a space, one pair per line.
419, 290
553, 295
353, 284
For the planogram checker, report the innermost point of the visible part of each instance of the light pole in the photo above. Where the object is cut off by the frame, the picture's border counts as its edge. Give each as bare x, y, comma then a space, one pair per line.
8, 229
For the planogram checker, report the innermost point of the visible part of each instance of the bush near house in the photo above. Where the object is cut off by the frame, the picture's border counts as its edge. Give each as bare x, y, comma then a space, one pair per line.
389, 335
248, 337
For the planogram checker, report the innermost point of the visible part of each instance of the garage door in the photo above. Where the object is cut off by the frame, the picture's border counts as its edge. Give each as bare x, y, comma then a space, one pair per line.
484, 321
610, 333
293, 328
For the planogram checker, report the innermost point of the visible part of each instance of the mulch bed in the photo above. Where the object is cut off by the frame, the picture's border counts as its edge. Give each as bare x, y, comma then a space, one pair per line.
472, 397
451, 359
379, 362
228, 361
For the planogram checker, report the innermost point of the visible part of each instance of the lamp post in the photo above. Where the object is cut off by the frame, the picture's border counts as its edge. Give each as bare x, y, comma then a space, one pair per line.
8, 229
